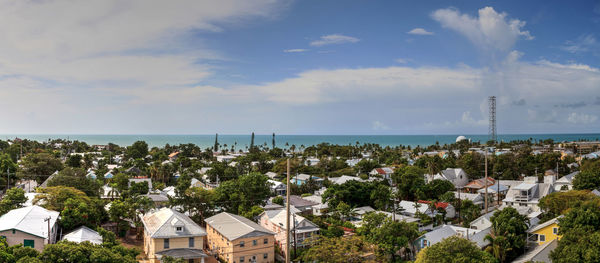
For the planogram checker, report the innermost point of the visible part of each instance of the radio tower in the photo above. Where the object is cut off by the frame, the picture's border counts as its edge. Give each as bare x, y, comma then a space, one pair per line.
492, 128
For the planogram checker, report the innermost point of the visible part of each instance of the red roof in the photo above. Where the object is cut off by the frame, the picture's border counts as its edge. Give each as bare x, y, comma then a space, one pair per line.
477, 184
443, 205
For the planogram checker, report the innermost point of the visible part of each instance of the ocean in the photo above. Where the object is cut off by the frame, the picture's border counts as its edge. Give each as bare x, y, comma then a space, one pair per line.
243, 141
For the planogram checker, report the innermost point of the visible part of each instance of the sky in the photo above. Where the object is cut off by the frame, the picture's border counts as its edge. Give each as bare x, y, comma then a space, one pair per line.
298, 67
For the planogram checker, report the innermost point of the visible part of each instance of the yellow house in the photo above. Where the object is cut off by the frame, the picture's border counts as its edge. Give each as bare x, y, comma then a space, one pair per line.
236, 239
170, 233
545, 232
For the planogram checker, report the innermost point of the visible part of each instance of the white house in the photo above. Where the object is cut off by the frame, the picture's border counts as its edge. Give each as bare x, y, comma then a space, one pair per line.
301, 228
456, 176
529, 192
565, 182
83, 234
277, 187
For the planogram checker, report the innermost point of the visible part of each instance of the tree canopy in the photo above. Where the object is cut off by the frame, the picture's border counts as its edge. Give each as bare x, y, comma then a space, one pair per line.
454, 250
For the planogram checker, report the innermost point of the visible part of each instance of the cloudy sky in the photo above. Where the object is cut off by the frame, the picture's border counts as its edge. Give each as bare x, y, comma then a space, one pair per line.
298, 67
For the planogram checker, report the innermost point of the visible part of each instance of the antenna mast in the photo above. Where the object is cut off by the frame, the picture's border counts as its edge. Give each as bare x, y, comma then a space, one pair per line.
492, 111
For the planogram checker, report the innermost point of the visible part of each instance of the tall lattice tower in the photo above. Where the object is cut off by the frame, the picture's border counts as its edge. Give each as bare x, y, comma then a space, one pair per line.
492, 128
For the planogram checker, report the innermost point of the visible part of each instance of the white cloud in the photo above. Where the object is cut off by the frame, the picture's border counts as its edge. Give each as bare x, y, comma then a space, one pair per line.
295, 50
581, 118
402, 60
584, 43
377, 126
140, 42
467, 119
490, 30
333, 39
419, 31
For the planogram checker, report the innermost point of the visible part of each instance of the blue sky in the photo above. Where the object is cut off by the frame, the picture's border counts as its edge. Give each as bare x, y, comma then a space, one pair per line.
299, 67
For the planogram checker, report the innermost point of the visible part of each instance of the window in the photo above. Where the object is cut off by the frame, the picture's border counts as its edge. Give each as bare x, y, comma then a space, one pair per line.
242, 244
254, 242
265, 255
542, 238
179, 228
29, 243
266, 241
13, 231
191, 242
555, 230
242, 259
424, 243
166, 243
307, 235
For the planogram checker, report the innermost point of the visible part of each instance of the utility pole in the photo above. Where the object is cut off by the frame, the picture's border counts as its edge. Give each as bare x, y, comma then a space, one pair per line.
486, 179
48, 220
295, 244
459, 205
287, 215
7, 179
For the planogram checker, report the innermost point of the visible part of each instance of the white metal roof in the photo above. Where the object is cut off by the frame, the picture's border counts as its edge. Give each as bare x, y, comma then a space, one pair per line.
82, 234
524, 186
29, 219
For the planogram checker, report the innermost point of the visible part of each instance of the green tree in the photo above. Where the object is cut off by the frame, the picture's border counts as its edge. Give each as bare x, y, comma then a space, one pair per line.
39, 166
240, 195
14, 198
74, 161
7, 165
137, 150
558, 203
86, 252
508, 235
434, 190
76, 178
338, 249
588, 178
278, 200
454, 250
580, 230
55, 197
77, 213
408, 180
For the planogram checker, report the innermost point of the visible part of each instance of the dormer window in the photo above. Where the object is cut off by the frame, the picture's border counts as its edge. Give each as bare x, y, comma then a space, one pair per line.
179, 228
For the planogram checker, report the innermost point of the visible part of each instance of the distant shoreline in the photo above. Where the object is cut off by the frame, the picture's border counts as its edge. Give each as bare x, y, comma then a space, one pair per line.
242, 141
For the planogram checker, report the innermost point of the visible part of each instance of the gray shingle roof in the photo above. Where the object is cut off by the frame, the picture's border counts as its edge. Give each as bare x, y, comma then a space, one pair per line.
163, 223
234, 226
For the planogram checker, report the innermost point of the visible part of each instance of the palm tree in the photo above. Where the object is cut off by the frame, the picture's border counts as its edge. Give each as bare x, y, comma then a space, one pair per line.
497, 245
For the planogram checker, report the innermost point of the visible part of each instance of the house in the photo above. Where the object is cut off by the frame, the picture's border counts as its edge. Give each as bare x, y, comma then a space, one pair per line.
45, 183
544, 232
27, 185
304, 205
31, 226
303, 178
271, 175
108, 175
134, 171
173, 156
277, 187
312, 161
83, 234
160, 200
301, 228
529, 192
234, 238
441, 233
225, 158
319, 208
538, 253
475, 185
483, 221
109, 192
345, 178
493, 190
565, 183
456, 176
477, 199
447, 207
141, 180
385, 172
170, 233
411, 209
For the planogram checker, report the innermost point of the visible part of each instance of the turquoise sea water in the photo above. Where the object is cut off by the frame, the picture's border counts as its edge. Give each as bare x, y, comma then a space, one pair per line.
243, 141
